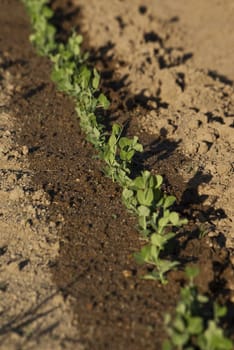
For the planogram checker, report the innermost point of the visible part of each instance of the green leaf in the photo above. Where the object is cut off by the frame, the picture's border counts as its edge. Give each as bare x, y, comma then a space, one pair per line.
142, 222
202, 298
127, 194
47, 12
138, 147
96, 79
154, 275
126, 156
219, 311
116, 129
124, 142
145, 197
103, 101
112, 141
139, 183
151, 181
85, 76
159, 181
191, 271
168, 236
143, 211
157, 240
109, 157
195, 325
169, 200
167, 345
144, 255
146, 174
179, 324
174, 218
162, 223
73, 45
166, 265
181, 308
180, 340
215, 339
183, 222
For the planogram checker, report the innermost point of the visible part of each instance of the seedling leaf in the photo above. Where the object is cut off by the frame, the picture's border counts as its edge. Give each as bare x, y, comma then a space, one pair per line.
103, 101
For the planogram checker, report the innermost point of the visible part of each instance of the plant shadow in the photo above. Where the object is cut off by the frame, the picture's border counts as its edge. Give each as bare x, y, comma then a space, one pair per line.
65, 18
192, 198
32, 318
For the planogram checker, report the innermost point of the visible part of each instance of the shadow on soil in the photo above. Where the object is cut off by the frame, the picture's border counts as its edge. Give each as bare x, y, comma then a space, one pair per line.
222, 78
33, 318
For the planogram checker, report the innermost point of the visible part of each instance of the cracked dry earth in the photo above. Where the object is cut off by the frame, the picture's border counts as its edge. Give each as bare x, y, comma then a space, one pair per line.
67, 276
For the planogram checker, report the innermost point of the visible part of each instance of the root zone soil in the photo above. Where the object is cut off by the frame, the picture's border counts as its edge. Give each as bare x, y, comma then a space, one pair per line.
113, 308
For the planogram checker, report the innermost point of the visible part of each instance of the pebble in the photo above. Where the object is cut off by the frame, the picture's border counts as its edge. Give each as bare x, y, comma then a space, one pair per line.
127, 273
25, 150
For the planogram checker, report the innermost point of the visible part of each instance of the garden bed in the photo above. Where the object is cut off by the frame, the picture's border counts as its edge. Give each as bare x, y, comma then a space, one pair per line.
93, 270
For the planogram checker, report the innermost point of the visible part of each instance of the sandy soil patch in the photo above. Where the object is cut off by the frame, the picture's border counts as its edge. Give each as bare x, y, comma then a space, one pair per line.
178, 58
32, 309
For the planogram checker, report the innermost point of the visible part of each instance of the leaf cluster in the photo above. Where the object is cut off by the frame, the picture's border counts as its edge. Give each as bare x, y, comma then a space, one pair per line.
118, 153
144, 197
73, 76
43, 36
191, 329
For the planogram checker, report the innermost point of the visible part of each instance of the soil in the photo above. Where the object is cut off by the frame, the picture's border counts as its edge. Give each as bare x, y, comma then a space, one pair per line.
68, 279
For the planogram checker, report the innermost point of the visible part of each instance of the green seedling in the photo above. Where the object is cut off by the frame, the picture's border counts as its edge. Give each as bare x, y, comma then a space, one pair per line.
150, 254
163, 218
109, 154
67, 66
144, 198
43, 36
190, 329
118, 153
160, 236
143, 192
73, 76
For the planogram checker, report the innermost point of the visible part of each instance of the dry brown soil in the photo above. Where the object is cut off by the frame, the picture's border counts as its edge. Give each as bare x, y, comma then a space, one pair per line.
67, 276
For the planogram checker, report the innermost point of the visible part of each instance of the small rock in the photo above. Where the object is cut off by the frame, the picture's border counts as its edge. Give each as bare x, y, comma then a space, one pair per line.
25, 150
127, 273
